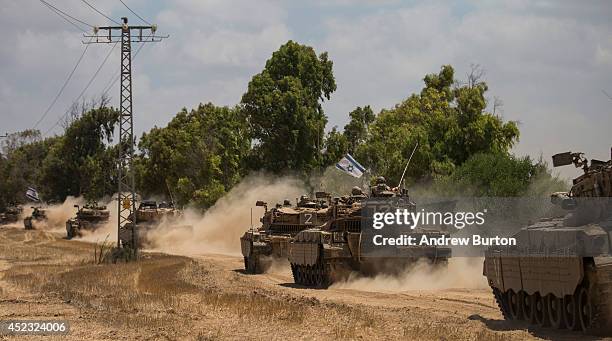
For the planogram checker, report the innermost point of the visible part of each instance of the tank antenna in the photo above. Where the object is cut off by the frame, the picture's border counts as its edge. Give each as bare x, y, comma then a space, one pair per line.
407, 163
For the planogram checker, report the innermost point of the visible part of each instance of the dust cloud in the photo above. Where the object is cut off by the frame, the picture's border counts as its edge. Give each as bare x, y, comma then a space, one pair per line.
108, 231
57, 214
464, 273
218, 230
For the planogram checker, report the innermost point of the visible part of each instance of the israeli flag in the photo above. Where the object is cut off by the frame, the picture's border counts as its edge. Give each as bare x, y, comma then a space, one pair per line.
32, 194
349, 165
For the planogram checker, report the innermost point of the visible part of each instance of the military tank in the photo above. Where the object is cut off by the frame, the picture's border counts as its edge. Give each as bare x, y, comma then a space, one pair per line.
39, 214
323, 255
149, 215
89, 217
278, 226
149, 212
11, 214
559, 274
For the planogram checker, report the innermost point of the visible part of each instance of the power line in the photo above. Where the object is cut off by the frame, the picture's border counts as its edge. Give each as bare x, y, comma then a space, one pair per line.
139, 17
65, 18
85, 89
66, 14
102, 14
62, 88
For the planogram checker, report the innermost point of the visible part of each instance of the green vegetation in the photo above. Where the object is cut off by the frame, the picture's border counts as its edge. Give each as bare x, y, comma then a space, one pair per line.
500, 175
282, 107
279, 127
198, 157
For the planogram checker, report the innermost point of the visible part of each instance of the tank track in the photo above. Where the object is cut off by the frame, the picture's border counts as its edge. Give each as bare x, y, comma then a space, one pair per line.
594, 317
317, 275
601, 294
252, 265
502, 304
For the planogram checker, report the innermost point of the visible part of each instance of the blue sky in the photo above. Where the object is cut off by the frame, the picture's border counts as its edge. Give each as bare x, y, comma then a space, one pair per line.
547, 60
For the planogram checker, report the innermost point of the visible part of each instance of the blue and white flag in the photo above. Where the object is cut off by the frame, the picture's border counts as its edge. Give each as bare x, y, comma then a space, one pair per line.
32, 194
349, 165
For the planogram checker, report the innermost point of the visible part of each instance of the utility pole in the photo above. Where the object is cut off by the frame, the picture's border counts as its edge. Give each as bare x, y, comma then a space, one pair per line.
126, 197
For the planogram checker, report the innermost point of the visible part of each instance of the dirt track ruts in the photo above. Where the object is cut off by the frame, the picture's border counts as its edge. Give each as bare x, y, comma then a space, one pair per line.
208, 296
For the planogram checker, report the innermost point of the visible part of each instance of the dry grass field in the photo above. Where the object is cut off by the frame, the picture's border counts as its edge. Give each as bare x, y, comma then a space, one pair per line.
207, 297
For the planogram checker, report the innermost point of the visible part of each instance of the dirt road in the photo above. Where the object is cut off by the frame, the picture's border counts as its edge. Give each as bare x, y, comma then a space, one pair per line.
208, 297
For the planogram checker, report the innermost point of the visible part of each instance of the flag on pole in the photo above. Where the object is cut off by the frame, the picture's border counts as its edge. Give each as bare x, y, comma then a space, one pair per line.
32, 194
349, 165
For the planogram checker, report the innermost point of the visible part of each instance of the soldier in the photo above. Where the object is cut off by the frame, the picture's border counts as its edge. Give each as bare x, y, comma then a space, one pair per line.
380, 189
357, 192
305, 201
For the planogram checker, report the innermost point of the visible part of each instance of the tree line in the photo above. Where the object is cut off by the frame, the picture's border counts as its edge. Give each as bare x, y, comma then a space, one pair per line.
279, 127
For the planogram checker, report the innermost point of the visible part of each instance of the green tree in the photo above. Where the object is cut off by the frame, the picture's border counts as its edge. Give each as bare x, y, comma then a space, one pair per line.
79, 162
356, 131
283, 108
498, 174
336, 145
197, 157
449, 123
20, 168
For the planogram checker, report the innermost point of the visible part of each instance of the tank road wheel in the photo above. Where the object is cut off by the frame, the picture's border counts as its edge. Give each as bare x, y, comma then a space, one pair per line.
293, 270
555, 311
69, 231
570, 312
298, 276
540, 310
302, 275
322, 279
305, 279
514, 305
585, 309
527, 306
311, 275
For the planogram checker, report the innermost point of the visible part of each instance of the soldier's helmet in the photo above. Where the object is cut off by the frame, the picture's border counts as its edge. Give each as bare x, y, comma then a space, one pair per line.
304, 198
286, 202
381, 180
356, 191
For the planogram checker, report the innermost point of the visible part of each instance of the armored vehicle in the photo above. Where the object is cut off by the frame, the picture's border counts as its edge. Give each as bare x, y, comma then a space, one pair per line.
150, 213
39, 214
560, 272
11, 214
329, 253
88, 217
278, 226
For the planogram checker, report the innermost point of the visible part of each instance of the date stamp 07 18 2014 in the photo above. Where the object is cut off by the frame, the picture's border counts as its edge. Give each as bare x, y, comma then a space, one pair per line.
34, 327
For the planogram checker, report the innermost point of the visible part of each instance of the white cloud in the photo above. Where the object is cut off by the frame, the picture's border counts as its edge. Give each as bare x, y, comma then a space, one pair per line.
547, 60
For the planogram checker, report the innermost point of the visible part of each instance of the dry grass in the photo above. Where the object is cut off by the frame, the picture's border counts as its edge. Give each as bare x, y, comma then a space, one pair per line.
171, 297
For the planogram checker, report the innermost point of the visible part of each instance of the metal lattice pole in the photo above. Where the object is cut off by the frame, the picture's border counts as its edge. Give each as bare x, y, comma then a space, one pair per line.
126, 197
126, 191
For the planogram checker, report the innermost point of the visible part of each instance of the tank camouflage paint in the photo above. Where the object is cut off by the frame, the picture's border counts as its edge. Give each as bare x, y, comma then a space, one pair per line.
560, 273
88, 217
279, 224
323, 255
